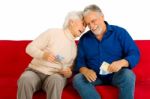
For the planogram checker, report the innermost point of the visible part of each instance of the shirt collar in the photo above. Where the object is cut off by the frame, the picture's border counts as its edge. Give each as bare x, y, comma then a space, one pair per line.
108, 27
69, 34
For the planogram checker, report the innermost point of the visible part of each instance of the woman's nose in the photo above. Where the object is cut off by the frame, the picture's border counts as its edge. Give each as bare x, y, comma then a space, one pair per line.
83, 28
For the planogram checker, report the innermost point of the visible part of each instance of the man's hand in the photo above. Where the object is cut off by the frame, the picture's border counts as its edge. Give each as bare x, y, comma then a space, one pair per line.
117, 65
89, 74
49, 57
66, 72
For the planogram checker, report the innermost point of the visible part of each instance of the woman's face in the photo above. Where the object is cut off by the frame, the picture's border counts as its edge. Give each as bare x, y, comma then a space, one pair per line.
78, 27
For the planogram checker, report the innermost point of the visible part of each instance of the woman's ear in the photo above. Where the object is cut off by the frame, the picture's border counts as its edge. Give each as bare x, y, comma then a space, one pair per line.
71, 22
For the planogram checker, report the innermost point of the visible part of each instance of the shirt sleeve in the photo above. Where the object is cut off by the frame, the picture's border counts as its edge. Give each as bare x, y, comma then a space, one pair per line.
131, 51
80, 60
35, 48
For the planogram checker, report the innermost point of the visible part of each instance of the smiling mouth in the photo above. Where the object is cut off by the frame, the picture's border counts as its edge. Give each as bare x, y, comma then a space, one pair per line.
94, 29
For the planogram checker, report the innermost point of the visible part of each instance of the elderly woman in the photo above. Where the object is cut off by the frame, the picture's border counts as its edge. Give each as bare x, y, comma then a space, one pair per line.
53, 55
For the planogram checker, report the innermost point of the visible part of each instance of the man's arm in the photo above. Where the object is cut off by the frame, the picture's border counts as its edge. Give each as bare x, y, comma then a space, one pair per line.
81, 63
130, 50
117, 65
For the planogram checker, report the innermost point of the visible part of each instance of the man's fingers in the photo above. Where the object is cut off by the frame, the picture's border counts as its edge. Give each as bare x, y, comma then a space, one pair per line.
91, 77
113, 68
88, 78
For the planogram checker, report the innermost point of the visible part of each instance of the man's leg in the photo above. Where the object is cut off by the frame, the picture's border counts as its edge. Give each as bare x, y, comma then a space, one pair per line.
125, 81
84, 88
28, 83
53, 85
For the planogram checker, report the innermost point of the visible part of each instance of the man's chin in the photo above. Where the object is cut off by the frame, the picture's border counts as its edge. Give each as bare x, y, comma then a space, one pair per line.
96, 32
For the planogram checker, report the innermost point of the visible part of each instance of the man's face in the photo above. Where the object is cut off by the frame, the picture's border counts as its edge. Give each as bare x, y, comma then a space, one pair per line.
78, 27
94, 21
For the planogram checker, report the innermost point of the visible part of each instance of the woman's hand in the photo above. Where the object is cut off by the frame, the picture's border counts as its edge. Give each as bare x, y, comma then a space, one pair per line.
66, 72
49, 57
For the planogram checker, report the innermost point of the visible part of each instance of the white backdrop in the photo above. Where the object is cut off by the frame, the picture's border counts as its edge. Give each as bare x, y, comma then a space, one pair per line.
26, 19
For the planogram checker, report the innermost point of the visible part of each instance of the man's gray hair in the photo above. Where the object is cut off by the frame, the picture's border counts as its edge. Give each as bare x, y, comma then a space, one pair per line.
73, 15
93, 8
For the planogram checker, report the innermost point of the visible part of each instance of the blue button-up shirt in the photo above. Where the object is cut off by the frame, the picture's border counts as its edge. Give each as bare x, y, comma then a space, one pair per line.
116, 44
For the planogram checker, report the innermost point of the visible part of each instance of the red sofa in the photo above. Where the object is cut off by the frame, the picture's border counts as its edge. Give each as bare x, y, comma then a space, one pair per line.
13, 61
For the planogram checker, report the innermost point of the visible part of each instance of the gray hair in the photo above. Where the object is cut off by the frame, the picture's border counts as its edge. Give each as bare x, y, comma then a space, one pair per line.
93, 8
73, 15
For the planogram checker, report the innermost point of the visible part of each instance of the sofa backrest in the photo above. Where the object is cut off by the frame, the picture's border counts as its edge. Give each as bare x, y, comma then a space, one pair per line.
143, 67
13, 59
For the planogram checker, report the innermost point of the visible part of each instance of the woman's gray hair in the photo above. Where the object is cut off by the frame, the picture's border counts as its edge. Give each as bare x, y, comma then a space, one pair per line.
93, 8
73, 15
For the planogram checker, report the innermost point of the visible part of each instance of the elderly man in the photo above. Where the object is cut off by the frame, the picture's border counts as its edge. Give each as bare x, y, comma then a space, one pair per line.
53, 55
106, 55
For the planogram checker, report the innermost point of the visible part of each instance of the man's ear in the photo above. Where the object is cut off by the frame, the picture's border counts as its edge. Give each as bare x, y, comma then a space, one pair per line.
102, 17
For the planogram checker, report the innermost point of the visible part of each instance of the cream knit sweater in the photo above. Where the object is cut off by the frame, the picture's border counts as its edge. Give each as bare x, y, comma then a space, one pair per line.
57, 41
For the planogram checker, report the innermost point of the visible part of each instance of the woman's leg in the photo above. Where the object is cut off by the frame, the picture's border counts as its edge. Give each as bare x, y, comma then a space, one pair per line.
28, 83
53, 85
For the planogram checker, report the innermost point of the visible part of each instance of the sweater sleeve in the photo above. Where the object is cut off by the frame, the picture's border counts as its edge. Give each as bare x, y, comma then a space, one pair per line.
131, 51
35, 48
